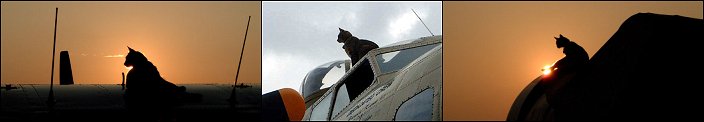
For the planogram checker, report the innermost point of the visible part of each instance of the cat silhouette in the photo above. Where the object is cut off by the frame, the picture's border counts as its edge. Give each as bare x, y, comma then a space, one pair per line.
146, 91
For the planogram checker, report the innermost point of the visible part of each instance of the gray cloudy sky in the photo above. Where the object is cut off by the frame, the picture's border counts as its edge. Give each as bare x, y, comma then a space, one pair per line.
297, 37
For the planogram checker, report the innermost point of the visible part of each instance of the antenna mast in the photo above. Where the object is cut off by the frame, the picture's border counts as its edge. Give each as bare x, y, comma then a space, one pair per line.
233, 95
421, 21
50, 101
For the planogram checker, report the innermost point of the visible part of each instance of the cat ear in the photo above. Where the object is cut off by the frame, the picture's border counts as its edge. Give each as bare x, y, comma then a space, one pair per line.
340, 29
131, 50
561, 36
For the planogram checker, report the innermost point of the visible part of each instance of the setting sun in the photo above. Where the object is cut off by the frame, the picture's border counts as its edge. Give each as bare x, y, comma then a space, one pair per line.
546, 70
128, 68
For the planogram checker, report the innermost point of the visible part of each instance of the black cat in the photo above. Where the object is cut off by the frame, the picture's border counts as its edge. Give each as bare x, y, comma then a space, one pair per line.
354, 47
147, 92
575, 56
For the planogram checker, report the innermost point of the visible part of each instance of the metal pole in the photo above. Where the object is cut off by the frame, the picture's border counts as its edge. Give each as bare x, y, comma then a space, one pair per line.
233, 95
242, 52
50, 101
421, 21
123, 81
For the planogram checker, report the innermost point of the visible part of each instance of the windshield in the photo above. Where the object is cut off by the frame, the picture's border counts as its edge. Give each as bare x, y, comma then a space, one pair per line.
335, 73
396, 60
323, 76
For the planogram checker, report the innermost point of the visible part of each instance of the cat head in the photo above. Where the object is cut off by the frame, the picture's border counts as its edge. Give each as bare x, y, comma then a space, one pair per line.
135, 58
343, 35
561, 41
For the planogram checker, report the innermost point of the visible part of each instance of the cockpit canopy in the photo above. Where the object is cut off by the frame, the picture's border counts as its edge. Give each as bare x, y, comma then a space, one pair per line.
324, 76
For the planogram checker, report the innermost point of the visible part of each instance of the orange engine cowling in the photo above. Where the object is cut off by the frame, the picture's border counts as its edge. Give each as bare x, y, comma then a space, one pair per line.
283, 105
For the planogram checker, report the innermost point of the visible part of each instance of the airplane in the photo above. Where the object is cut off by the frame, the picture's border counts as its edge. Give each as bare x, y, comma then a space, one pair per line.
629, 78
105, 102
401, 81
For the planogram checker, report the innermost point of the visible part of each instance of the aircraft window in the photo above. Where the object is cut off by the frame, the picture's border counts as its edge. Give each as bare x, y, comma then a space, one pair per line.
341, 100
359, 79
320, 111
419, 107
393, 61
354, 84
334, 75
322, 77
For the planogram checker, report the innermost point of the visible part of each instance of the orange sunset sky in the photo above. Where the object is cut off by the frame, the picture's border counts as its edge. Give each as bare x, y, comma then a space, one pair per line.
189, 42
492, 50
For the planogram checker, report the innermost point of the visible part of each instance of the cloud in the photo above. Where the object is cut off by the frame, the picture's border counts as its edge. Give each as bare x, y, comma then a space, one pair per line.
402, 24
114, 56
287, 70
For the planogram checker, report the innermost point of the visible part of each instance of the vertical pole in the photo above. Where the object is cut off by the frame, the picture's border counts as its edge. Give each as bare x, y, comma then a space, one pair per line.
233, 95
242, 52
50, 101
123, 81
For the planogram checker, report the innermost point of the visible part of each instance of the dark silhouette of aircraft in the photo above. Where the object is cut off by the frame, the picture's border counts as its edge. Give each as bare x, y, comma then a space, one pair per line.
648, 70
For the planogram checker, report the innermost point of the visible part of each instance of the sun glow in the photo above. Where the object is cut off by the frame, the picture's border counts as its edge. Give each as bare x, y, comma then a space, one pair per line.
546, 69
128, 68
